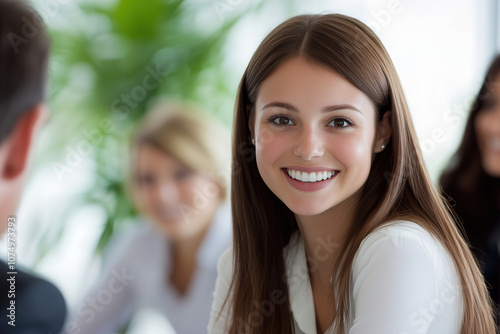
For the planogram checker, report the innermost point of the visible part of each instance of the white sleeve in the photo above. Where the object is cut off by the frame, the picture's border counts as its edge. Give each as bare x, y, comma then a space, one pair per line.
399, 287
220, 316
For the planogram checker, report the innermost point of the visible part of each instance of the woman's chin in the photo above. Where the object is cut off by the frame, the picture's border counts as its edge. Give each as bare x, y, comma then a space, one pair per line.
306, 209
169, 227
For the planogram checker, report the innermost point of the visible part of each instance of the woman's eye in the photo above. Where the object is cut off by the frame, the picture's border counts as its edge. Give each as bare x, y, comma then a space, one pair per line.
340, 123
282, 120
145, 180
182, 174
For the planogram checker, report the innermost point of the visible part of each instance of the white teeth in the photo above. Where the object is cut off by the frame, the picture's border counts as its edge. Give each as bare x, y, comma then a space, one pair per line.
304, 177
312, 177
309, 177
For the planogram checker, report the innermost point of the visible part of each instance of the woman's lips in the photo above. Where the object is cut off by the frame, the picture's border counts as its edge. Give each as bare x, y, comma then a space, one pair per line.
304, 176
310, 184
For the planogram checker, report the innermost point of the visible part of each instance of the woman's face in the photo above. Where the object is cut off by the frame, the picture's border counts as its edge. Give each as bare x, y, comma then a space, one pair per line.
315, 136
181, 202
487, 126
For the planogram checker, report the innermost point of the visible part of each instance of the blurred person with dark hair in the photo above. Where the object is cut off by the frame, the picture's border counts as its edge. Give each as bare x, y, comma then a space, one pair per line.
472, 180
28, 304
178, 184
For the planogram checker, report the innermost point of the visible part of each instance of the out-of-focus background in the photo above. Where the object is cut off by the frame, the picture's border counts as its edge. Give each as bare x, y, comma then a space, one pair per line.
197, 50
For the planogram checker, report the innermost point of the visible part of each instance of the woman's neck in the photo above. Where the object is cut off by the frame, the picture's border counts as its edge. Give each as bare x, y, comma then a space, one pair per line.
184, 256
323, 235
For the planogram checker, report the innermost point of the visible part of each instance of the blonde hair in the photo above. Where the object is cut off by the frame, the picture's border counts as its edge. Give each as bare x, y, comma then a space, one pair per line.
186, 134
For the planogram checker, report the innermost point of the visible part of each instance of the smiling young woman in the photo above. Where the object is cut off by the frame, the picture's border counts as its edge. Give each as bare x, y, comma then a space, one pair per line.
337, 226
317, 123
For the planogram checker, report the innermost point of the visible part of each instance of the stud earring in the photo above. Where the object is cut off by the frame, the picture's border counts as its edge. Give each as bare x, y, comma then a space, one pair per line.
253, 141
383, 146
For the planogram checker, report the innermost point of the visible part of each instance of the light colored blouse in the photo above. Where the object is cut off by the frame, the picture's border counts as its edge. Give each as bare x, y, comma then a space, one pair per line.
403, 282
138, 278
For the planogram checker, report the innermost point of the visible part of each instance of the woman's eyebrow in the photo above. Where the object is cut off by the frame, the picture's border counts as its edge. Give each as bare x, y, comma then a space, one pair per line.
323, 110
280, 105
338, 107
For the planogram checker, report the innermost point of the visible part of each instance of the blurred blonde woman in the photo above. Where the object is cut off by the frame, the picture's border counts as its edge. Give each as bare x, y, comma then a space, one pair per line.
177, 183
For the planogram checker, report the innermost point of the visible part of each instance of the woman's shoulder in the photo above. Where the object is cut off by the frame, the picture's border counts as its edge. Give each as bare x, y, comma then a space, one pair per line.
401, 230
409, 242
404, 265
217, 239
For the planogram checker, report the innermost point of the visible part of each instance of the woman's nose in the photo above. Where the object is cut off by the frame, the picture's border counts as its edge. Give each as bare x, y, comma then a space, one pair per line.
309, 144
168, 192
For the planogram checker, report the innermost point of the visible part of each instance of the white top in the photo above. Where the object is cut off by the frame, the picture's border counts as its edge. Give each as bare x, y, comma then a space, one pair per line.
403, 282
138, 278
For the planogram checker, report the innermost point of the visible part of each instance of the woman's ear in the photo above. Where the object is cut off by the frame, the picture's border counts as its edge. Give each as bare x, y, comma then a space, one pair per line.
384, 132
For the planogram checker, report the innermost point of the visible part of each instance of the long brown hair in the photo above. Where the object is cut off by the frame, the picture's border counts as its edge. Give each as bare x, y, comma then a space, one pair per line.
398, 185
